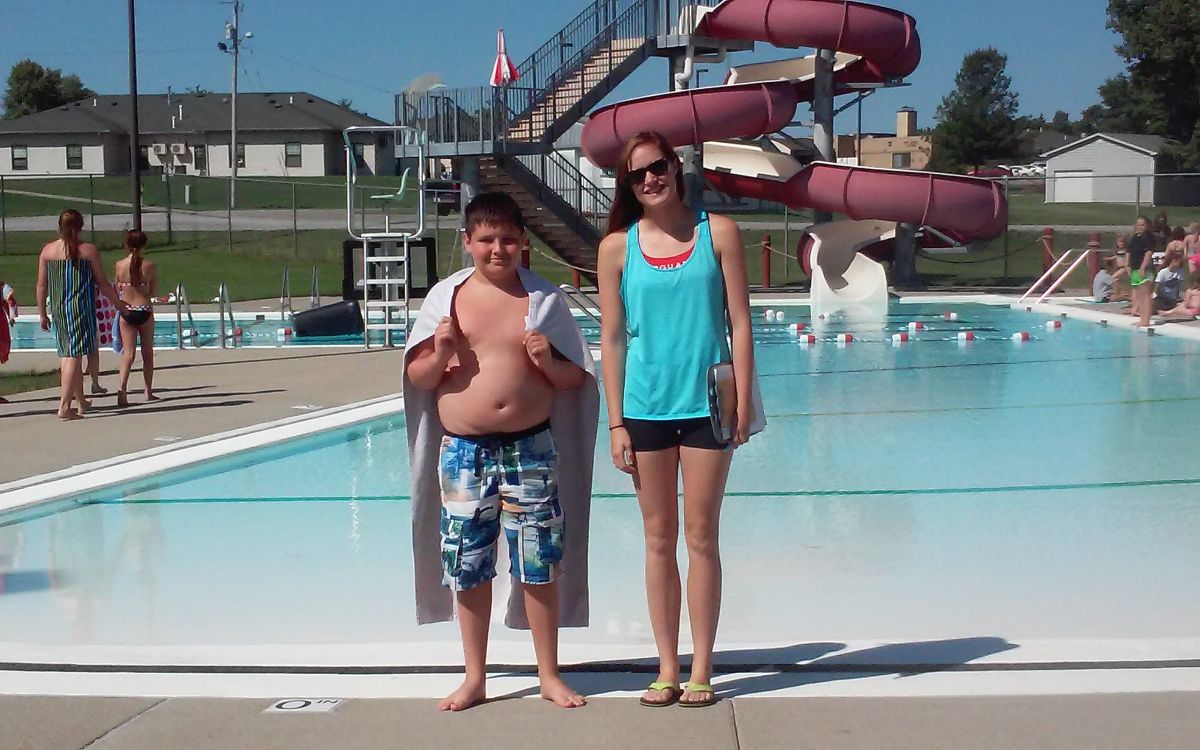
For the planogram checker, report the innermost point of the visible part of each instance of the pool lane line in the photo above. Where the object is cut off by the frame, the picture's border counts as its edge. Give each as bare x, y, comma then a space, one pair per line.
640, 666
734, 493
952, 365
943, 409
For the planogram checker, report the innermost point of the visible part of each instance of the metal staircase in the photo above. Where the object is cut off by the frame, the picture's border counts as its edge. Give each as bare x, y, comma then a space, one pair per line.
512, 130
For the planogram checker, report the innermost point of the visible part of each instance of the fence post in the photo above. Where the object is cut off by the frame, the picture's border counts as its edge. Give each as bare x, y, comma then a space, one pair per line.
525, 257
295, 227
1093, 257
92, 206
229, 213
576, 278
766, 261
1047, 248
170, 227
3, 220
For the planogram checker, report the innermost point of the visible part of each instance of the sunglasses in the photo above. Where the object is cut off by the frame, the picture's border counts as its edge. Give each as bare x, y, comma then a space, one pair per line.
657, 168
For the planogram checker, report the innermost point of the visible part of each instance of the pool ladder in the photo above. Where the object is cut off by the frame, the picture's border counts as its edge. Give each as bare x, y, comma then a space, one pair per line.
181, 306
285, 293
585, 303
225, 311
1058, 263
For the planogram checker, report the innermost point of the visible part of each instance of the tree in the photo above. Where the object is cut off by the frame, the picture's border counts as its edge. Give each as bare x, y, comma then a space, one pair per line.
348, 104
32, 88
1160, 92
197, 89
1061, 123
977, 120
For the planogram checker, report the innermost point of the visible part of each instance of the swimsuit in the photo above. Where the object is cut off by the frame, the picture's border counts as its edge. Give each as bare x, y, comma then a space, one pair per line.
503, 481
138, 315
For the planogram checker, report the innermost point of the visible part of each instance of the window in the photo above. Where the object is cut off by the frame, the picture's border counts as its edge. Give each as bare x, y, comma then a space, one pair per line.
360, 160
901, 161
74, 157
20, 158
200, 158
291, 155
241, 155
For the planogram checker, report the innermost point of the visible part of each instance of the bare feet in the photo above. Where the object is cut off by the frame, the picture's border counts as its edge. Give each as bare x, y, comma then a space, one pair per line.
97, 390
558, 692
122, 400
69, 415
151, 397
470, 693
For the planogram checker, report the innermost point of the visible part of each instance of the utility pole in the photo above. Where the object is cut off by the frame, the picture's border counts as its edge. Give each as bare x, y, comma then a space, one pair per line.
232, 45
135, 149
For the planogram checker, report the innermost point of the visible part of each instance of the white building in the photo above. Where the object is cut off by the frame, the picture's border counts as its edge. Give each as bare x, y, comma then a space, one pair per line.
291, 134
1106, 168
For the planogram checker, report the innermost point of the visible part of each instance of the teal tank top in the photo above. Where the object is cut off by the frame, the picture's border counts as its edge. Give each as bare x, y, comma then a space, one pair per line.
675, 321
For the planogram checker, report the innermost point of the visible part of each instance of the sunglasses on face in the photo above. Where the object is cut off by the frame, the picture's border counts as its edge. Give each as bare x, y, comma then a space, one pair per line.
657, 168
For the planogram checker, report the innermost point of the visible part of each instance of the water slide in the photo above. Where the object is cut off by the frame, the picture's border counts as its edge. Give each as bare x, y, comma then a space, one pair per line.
873, 45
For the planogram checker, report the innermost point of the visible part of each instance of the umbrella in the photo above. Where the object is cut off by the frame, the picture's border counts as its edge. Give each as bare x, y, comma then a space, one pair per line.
503, 72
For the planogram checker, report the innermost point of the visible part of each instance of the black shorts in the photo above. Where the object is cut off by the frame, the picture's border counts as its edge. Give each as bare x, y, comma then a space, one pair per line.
657, 435
1161, 304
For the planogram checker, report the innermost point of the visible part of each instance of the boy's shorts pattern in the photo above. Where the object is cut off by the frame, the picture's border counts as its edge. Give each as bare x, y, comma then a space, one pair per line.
491, 483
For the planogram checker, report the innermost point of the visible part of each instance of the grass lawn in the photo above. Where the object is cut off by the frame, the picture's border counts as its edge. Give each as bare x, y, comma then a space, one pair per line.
26, 380
206, 193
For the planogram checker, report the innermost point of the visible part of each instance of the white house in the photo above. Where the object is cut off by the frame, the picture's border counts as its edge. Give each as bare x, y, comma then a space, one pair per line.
1106, 168
291, 134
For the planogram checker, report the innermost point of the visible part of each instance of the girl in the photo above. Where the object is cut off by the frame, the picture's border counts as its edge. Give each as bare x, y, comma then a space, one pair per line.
668, 276
137, 280
69, 271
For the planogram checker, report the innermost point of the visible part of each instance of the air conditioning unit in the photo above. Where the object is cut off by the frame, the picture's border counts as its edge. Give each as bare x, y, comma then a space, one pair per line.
159, 149
179, 148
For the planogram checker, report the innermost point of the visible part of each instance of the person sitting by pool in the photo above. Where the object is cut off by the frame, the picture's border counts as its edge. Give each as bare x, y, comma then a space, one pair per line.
499, 377
1168, 285
1103, 286
8, 317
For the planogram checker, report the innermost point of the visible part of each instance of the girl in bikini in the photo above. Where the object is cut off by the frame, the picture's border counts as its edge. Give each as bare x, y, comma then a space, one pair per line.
137, 280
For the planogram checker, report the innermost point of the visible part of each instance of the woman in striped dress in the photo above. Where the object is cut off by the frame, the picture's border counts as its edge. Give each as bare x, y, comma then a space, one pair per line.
69, 273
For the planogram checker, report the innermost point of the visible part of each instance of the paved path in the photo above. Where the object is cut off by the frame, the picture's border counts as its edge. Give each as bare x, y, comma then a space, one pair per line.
1163, 721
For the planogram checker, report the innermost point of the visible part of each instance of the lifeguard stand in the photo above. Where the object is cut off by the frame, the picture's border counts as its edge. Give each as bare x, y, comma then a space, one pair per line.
385, 251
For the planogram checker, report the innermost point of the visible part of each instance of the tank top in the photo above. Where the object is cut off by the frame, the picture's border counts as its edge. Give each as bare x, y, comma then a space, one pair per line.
675, 322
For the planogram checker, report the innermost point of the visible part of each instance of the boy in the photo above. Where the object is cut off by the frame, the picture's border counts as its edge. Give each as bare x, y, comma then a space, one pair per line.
1102, 285
502, 407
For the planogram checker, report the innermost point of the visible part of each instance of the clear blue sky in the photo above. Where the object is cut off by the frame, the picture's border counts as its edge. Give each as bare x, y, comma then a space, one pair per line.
1058, 50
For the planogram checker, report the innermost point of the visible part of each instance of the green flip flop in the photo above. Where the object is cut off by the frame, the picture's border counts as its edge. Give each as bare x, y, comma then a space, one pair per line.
698, 687
675, 693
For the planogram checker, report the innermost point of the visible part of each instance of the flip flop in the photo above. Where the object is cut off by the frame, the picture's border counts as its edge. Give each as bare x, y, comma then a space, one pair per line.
698, 687
676, 692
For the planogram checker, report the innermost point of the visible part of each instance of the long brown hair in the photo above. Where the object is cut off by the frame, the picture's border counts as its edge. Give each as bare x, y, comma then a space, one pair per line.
625, 206
70, 224
135, 240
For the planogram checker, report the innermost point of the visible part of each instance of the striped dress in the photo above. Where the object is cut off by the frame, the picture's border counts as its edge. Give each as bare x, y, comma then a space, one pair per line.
72, 306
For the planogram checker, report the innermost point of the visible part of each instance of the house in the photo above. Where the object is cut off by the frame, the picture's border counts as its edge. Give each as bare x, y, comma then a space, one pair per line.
904, 149
1112, 168
290, 134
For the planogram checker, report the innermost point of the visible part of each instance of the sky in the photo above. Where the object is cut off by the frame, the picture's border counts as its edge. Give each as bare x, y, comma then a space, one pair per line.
1059, 51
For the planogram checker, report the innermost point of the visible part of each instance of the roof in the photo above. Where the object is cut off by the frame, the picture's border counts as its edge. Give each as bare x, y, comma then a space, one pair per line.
1150, 145
290, 111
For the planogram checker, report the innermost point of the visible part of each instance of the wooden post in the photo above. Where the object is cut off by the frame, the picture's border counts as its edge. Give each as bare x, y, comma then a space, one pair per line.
576, 278
766, 261
525, 256
1047, 248
1093, 256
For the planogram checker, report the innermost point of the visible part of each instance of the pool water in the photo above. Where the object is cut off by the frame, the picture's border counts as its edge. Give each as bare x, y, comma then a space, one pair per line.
932, 490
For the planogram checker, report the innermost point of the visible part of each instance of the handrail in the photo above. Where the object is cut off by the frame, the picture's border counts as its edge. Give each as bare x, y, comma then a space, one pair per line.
225, 306
1083, 254
181, 304
574, 294
314, 293
1053, 266
285, 294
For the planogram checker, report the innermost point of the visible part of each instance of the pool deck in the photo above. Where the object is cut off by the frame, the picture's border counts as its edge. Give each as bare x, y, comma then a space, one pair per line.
212, 391
1162, 721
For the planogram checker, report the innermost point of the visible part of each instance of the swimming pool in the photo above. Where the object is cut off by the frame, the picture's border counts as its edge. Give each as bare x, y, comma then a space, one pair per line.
1006, 495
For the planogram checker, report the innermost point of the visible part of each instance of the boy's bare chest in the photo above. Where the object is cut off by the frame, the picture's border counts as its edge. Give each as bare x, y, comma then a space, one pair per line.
492, 321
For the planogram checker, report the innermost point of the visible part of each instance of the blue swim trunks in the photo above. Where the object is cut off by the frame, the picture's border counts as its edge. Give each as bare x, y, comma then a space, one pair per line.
506, 481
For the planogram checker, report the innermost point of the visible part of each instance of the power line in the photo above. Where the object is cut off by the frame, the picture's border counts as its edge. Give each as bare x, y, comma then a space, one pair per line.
330, 74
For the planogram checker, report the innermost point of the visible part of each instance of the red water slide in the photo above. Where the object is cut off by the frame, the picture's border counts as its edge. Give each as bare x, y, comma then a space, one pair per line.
884, 45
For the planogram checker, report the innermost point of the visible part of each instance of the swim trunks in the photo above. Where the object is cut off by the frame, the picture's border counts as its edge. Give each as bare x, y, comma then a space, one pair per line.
503, 481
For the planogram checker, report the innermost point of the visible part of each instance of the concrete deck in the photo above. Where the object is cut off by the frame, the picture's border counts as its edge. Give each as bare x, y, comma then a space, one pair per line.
202, 392
1162, 721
